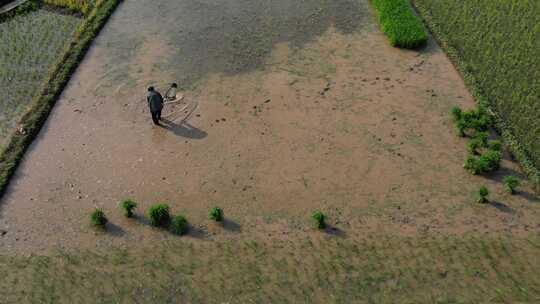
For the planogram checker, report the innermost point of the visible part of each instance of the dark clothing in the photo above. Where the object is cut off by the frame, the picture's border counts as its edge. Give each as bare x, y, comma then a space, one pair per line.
155, 101
156, 117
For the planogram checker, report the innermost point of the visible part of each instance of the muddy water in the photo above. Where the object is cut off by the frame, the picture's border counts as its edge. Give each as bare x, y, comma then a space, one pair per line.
302, 106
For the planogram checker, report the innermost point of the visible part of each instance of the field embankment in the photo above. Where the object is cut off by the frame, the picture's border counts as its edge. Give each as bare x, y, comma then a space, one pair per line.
496, 47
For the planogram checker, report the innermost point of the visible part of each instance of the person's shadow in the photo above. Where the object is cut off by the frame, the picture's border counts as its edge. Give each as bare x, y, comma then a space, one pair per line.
183, 129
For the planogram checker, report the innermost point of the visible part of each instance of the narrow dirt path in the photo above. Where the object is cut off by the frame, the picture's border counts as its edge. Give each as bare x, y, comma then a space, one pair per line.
303, 106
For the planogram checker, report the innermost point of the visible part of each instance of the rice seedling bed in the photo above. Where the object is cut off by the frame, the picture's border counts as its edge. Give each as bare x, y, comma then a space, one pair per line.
31, 44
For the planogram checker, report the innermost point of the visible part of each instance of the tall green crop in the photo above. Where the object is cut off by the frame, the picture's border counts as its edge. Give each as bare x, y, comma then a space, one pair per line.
497, 44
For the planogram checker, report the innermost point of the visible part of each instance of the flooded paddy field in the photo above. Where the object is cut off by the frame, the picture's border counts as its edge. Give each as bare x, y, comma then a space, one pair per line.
302, 105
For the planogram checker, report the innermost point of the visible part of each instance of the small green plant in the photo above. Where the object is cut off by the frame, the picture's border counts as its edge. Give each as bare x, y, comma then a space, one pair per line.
495, 145
179, 225
159, 215
483, 193
477, 120
474, 145
456, 113
482, 138
320, 219
128, 206
216, 214
97, 218
511, 183
474, 165
492, 160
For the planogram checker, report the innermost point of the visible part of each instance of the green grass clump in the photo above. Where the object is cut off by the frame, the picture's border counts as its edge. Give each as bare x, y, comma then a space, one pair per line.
475, 121
496, 48
320, 219
98, 218
179, 225
128, 206
216, 214
400, 24
159, 215
483, 193
510, 183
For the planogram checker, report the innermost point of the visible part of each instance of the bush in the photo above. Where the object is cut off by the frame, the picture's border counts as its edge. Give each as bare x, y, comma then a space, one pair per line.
179, 225
510, 183
400, 24
159, 215
97, 218
128, 206
483, 193
319, 219
216, 214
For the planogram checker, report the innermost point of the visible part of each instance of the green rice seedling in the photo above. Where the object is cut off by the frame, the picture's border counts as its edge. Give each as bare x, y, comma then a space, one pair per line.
473, 165
402, 27
492, 160
456, 113
320, 219
483, 193
216, 214
128, 206
511, 183
179, 225
159, 215
482, 138
474, 145
495, 145
98, 218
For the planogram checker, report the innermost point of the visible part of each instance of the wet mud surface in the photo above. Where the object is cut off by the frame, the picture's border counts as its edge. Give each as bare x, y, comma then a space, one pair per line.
301, 106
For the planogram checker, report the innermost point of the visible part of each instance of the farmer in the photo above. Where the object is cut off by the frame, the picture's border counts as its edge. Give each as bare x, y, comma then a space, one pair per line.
155, 102
170, 95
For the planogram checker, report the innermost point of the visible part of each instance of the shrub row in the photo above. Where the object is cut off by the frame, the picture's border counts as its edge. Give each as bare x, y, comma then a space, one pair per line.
35, 117
492, 43
400, 24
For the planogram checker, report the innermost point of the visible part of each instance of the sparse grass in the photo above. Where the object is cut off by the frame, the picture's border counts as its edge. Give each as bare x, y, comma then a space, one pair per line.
374, 270
402, 27
483, 194
216, 214
159, 215
510, 183
320, 219
98, 218
179, 225
128, 206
